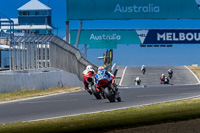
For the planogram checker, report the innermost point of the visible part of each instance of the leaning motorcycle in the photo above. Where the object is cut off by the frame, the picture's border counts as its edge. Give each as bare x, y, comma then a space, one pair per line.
137, 81
165, 80
170, 75
95, 92
109, 90
143, 71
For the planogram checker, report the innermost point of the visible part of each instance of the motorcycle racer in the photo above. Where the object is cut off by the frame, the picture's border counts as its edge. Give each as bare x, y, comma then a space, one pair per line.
88, 72
137, 80
105, 82
162, 78
143, 69
103, 74
170, 71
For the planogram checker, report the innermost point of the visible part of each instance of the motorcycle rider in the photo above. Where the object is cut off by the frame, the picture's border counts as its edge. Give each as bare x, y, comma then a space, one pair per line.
137, 80
143, 69
104, 74
162, 78
166, 80
88, 72
170, 72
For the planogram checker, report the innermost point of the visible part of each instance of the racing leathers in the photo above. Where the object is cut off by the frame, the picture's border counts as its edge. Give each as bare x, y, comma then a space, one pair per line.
104, 74
87, 74
170, 71
143, 69
162, 78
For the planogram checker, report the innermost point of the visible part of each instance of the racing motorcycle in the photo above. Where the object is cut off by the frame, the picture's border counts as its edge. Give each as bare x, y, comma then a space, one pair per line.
137, 81
165, 80
170, 75
143, 70
92, 88
109, 90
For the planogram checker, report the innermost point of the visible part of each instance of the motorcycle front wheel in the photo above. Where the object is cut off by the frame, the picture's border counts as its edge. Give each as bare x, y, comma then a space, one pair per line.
95, 92
109, 95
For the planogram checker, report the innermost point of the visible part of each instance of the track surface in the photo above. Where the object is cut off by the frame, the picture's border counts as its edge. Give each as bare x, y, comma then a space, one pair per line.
81, 102
181, 75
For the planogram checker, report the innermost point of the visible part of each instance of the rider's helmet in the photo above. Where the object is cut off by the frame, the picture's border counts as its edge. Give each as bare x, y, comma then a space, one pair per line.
101, 68
163, 74
137, 78
89, 67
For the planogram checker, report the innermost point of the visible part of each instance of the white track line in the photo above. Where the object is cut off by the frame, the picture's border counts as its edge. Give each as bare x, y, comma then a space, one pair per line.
193, 74
120, 83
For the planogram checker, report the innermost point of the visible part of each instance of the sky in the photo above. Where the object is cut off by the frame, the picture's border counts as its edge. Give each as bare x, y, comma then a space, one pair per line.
131, 55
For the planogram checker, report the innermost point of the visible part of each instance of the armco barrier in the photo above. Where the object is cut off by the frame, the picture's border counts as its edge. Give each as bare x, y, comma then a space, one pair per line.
67, 57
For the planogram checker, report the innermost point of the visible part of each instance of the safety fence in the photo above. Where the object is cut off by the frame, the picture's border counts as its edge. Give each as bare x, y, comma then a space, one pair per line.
43, 51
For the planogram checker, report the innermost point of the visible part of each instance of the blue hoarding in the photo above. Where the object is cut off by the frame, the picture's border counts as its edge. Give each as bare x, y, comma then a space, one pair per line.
105, 38
110, 38
172, 36
132, 9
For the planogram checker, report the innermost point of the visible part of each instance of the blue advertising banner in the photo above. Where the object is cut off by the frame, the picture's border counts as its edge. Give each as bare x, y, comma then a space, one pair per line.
171, 36
105, 38
132, 9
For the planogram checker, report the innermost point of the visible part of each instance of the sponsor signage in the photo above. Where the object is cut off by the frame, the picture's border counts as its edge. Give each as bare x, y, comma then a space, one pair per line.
105, 38
170, 36
110, 38
132, 9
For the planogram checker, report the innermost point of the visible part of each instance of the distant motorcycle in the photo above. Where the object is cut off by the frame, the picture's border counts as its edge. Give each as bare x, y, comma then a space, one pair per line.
170, 75
164, 80
137, 81
109, 90
143, 70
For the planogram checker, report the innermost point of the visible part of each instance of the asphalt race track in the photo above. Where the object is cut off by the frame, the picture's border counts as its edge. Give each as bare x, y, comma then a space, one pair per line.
181, 75
81, 102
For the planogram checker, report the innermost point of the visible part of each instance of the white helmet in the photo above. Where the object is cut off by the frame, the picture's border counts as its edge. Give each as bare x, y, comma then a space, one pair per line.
89, 67
137, 78
163, 74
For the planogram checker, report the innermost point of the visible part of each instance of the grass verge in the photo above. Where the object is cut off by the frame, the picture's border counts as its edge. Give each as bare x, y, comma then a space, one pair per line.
33, 93
101, 122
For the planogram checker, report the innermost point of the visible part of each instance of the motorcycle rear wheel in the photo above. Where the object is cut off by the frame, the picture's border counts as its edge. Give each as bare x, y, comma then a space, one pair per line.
109, 95
95, 92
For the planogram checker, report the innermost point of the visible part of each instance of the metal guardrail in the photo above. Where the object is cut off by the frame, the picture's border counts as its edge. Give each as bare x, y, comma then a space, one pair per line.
29, 52
43, 51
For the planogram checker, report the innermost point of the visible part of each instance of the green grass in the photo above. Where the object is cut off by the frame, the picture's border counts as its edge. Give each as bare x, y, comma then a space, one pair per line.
100, 122
33, 93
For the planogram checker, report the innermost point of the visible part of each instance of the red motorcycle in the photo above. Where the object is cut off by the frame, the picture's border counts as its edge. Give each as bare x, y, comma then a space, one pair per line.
91, 85
109, 89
